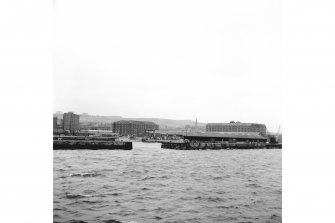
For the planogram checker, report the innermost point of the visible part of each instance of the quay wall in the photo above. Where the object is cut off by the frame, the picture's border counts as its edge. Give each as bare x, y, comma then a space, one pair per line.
91, 145
217, 146
84, 138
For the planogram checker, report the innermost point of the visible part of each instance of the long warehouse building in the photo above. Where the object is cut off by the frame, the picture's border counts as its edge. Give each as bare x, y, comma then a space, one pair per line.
133, 128
236, 127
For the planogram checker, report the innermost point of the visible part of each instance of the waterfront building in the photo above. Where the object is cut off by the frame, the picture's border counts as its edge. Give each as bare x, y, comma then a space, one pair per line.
280, 139
70, 122
54, 122
226, 137
236, 127
59, 123
96, 126
134, 128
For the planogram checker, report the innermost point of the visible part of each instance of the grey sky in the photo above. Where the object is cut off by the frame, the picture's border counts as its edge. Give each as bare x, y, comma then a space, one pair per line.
214, 60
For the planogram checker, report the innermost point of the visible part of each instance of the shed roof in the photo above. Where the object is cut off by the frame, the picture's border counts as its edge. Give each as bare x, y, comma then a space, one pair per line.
237, 135
171, 132
235, 124
136, 122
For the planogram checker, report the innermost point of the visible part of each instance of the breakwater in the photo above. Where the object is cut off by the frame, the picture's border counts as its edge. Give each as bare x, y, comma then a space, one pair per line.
217, 146
91, 145
86, 138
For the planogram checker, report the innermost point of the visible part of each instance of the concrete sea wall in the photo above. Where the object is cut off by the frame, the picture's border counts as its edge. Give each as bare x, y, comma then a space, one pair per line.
91, 145
217, 146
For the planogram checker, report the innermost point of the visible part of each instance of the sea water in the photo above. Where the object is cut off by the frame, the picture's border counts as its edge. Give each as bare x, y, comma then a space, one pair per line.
150, 184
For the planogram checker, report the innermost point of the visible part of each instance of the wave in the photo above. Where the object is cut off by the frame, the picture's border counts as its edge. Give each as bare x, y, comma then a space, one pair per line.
107, 194
211, 199
276, 218
254, 185
215, 199
91, 202
112, 221
107, 221
148, 178
75, 196
226, 207
94, 174
230, 219
88, 191
76, 221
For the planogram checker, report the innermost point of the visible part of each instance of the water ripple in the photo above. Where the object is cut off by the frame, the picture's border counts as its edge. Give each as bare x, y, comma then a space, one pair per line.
148, 185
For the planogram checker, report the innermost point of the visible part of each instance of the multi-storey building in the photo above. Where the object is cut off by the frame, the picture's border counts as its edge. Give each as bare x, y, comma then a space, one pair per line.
54, 122
70, 122
96, 126
236, 127
133, 128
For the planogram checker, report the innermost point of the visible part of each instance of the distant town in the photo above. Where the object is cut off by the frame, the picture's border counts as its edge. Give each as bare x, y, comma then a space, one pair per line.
71, 124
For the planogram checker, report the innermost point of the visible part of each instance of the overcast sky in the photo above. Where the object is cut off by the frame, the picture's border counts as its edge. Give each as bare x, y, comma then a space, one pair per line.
214, 60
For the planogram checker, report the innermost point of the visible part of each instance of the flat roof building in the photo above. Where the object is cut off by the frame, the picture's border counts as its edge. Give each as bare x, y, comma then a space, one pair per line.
70, 122
226, 137
54, 122
236, 127
133, 128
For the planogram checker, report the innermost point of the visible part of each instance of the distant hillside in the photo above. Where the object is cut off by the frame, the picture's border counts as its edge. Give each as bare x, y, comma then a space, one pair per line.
94, 118
163, 123
170, 123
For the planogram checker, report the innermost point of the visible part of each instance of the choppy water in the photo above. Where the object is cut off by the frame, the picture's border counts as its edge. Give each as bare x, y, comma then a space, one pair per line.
150, 184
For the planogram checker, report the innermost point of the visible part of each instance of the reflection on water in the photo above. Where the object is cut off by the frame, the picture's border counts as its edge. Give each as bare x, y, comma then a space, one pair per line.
150, 184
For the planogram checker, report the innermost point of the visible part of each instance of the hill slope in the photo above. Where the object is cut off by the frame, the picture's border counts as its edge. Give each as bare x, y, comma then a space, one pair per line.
163, 123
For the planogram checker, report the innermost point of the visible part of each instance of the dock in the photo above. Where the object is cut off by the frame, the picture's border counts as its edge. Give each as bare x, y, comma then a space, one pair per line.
91, 145
217, 146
